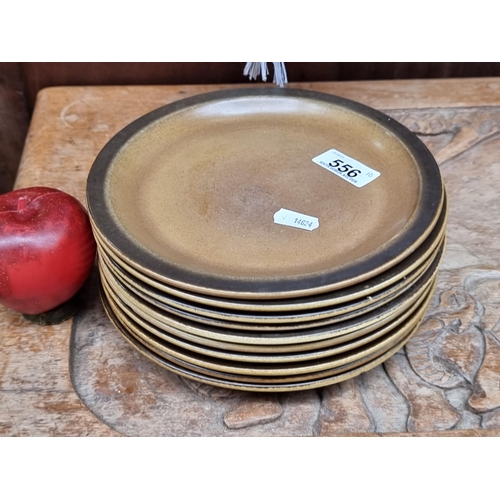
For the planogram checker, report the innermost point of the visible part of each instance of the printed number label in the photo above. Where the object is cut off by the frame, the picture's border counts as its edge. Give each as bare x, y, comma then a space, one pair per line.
346, 167
294, 219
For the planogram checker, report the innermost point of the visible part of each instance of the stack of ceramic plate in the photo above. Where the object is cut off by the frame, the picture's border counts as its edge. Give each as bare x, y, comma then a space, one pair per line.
267, 239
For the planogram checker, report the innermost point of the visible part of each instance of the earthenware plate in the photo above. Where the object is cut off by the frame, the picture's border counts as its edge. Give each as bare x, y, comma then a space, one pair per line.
177, 336
261, 322
192, 191
350, 371
277, 372
243, 319
361, 324
359, 358
162, 341
349, 296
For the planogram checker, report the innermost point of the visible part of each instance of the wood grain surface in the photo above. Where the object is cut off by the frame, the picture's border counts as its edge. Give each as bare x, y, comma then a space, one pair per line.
20, 83
80, 378
39, 75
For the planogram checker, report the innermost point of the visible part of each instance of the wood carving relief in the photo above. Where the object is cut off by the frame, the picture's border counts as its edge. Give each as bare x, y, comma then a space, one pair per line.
447, 377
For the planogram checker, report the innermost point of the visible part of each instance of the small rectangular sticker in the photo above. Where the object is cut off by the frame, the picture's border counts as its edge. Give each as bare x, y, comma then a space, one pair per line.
295, 219
346, 167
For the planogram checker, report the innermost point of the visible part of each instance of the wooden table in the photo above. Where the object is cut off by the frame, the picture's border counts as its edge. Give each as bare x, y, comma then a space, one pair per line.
80, 378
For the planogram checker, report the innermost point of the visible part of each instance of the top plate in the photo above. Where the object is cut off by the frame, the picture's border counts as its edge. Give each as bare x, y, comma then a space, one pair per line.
187, 193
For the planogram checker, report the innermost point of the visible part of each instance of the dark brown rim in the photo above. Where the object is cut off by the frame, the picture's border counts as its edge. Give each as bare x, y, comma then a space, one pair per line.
425, 218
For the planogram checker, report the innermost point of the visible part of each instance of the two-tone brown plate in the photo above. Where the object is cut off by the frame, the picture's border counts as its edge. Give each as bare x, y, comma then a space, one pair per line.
267, 239
341, 374
262, 321
250, 344
189, 193
364, 323
195, 302
150, 308
141, 329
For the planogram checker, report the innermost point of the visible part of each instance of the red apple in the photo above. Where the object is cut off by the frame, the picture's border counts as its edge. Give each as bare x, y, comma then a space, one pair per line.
47, 249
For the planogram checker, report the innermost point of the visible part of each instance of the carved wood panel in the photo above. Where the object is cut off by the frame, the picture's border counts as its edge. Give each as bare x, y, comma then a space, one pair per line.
446, 378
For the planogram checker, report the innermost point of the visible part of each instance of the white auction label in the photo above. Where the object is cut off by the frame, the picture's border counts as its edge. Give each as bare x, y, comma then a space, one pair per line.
294, 219
346, 167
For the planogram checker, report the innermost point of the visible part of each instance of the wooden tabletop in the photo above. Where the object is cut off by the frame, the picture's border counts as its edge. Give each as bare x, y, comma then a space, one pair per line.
80, 378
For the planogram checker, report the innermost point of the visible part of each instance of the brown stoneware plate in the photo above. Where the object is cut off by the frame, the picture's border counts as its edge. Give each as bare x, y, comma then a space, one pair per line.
379, 285
265, 371
261, 322
162, 340
347, 371
362, 324
351, 298
176, 336
358, 358
192, 194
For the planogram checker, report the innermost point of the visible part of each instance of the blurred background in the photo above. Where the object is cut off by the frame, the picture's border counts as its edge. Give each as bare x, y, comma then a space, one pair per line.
20, 83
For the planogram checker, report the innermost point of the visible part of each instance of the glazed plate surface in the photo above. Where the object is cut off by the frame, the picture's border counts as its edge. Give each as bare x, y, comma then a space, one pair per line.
188, 194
